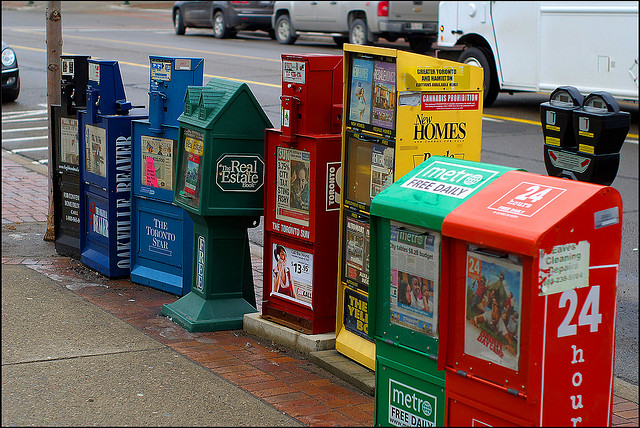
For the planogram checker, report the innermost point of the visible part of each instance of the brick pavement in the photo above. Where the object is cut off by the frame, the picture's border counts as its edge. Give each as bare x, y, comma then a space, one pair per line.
280, 377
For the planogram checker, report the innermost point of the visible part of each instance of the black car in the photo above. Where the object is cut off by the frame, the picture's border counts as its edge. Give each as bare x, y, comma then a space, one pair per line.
10, 74
225, 17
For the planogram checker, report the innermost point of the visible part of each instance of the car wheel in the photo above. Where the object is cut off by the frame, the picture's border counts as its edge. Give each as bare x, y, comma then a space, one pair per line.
481, 57
220, 30
358, 32
284, 31
178, 23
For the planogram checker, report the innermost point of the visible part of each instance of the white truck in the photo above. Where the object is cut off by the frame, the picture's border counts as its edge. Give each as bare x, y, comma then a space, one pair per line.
536, 46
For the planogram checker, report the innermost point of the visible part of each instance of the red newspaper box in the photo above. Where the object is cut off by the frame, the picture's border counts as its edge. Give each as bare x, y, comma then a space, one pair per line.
532, 304
302, 196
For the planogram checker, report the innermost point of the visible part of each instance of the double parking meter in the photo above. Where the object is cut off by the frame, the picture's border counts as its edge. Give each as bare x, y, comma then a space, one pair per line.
161, 232
105, 171
302, 200
65, 156
583, 135
220, 183
409, 283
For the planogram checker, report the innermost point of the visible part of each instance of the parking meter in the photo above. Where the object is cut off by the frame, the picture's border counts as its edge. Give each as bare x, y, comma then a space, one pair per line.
105, 171
161, 232
598, 128
557, 116
64, 123
220, 183
302, 196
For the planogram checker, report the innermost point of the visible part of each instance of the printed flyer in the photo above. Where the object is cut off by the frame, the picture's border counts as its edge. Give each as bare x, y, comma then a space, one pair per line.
157, 162
493, 303
194, 148
360, 91
415, 278
292, 274
95, 141
292, 186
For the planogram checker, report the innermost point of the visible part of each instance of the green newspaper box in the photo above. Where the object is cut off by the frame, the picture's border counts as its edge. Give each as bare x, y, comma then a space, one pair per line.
219, 181
407, 285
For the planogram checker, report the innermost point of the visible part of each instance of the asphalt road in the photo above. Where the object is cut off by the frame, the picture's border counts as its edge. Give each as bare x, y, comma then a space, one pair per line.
511, 135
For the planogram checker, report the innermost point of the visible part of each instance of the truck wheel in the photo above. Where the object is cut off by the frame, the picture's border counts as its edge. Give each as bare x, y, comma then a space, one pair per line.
358, 32
481, 57
284, 30
220, 30
178, 23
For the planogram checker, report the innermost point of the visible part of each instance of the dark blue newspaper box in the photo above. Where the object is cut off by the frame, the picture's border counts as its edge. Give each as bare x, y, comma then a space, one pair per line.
105, 171
161, 232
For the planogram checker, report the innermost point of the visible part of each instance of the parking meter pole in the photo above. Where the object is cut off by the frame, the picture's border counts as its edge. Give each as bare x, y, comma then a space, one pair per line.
65, 156
161, 232
220, 183
105, 171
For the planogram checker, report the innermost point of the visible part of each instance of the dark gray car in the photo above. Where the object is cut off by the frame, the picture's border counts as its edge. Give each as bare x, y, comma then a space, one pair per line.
225, 17
10, 74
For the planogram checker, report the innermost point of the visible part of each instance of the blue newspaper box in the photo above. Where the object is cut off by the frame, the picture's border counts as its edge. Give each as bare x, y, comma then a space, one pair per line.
104, 130
161, 232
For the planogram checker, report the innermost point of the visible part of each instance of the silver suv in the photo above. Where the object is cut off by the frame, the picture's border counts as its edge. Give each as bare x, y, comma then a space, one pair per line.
358, 22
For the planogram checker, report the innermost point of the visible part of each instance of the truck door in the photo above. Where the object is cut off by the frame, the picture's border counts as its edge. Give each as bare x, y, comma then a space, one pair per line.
303, 15
517, 53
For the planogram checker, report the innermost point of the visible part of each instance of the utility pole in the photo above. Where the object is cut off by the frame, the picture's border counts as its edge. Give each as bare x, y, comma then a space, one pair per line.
53, 18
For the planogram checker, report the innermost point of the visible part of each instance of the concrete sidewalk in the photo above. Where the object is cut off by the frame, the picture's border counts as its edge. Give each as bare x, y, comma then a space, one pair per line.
80, 349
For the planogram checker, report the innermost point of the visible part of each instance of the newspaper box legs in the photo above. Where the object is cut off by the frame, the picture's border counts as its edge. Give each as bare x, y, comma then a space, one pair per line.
219, 182
532, 303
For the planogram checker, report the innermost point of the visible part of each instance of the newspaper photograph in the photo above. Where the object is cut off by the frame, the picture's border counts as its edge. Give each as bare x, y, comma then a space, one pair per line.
69, 145
157, 163
493, 303
95, 142
415, 278
381, 169
292, 185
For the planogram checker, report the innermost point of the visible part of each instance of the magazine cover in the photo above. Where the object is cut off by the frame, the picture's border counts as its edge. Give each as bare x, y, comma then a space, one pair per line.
157, 162
384, 95
292, 274
360, 92
95, 139
493, 302
381, 169
194, 148
292, 186
415, 278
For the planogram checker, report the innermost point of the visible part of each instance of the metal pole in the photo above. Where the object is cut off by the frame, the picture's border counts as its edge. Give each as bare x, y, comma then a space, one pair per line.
53, 18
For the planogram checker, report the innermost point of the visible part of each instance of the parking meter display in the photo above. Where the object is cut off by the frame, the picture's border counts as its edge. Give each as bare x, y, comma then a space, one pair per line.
157, 162
292, 185
415, 278
493, 307
189, 183
292, 274
95, 150
69, 146
161, 70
